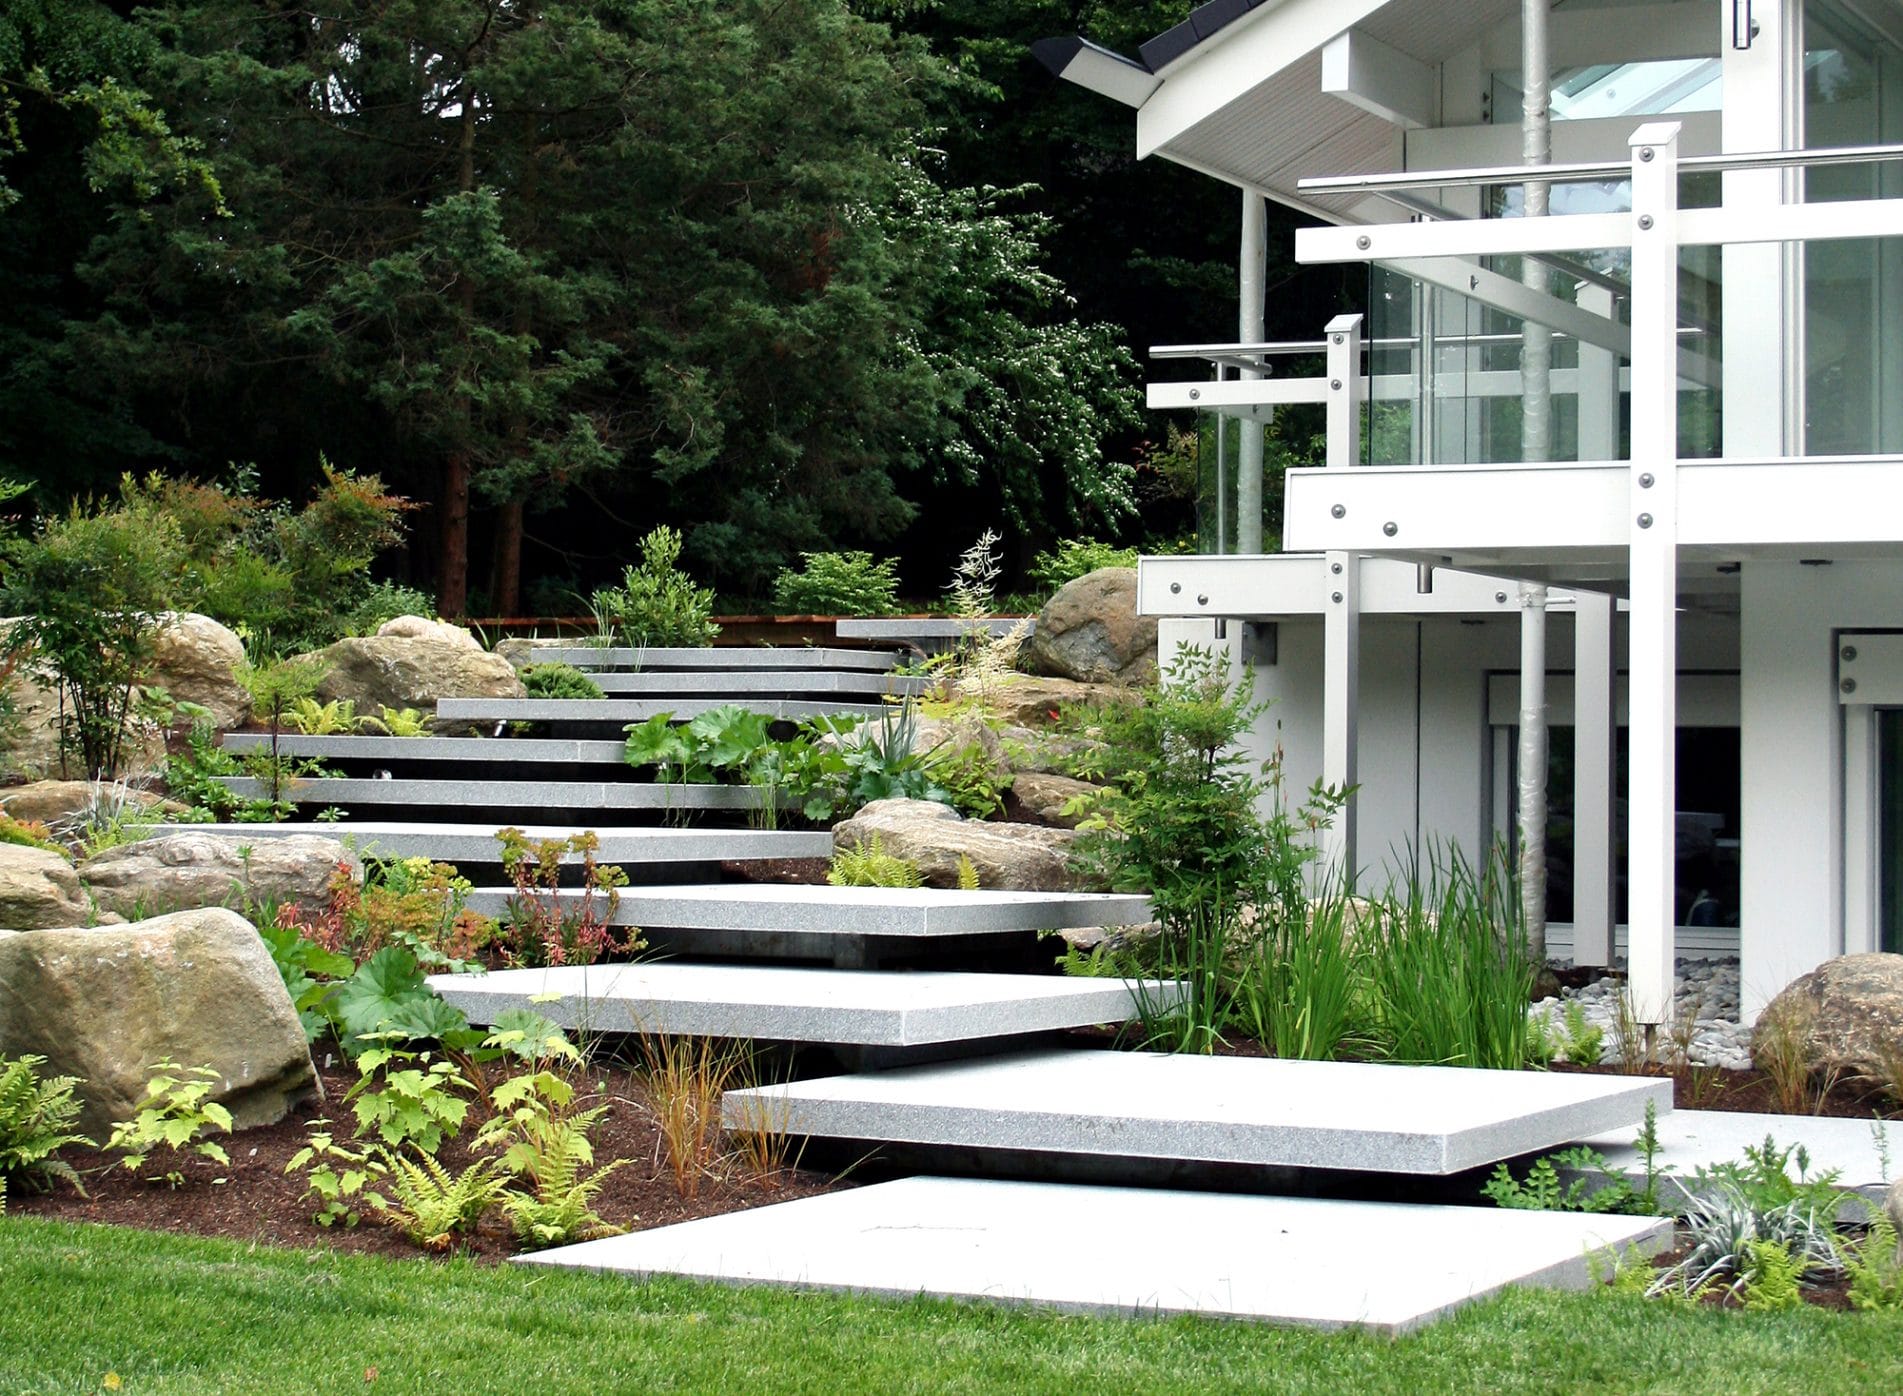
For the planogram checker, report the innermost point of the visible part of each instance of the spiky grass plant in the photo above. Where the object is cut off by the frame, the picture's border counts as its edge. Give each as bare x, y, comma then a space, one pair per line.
1303, 985
36, 1121
684, 1078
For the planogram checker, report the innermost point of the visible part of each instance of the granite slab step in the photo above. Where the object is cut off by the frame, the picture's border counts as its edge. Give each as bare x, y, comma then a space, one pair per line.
476, 843
923, 632
1353, 1116
1856, 1150
625, 710
743, 686
1382, 1266
914, 912
628, 794
518, 751
723, 657
779, 1004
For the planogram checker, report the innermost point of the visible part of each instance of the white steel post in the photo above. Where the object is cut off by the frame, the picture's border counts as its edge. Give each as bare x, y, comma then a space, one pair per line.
1598, 385
1341, 663
1593, 727
1651, 830
1251, 274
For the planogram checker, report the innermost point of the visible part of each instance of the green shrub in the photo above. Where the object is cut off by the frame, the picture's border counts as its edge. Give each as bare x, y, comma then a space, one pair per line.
558, 681
176, 1117
383, 602
28, 833
838, 584
1077, 557
416, 1101
657, 604
36, 1121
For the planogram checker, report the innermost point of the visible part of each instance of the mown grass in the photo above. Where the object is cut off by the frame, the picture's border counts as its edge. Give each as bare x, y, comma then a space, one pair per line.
172, 1314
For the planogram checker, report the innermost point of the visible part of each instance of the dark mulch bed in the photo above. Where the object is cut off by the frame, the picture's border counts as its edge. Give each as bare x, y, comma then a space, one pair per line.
254, 1200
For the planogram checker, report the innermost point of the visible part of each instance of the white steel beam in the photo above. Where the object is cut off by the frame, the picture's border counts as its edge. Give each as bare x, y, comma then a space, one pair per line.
1574, 142
1593, 691
1341, 623
1579, 38
1383, 81
1465, 237
1229, 66
1652, 652
1285, 585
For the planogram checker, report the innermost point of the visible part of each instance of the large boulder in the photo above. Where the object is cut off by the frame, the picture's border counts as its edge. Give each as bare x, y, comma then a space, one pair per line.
194, 868
30, 746
39, 889
1844, 1018
424, 628
931, 837
55, 801
1045, 796
1091, 631
195, 660
411, 671
197, 988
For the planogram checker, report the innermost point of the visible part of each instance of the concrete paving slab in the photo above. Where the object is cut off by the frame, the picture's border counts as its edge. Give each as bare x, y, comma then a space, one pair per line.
779, 1004
742, 685
508, 794
1248, 1110
906, 629
1694, 1139
548, 751
848, 911
476, 843
606, 710
718, 657
1288, 1260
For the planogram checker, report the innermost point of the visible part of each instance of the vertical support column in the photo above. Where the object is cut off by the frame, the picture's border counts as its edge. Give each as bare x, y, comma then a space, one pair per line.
1341, 662
1652, 531
1598, 381
1252, 272
1594, 722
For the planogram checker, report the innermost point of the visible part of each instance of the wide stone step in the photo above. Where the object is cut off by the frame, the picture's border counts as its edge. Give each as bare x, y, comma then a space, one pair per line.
1382, 1266
625, 710
924, 632
514, 751
853, 927
778, 1004
727, 657
630, 794
1239, 1110
476, 843
747, 685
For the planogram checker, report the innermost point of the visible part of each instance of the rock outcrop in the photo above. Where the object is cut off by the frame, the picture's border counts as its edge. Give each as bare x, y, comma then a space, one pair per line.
932, 837
193, 868
412, 670
195, 660
1090, 631
197, 988
39, 889
51, 801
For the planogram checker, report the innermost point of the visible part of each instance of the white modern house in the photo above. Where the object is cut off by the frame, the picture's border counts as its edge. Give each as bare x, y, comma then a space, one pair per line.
1717, 511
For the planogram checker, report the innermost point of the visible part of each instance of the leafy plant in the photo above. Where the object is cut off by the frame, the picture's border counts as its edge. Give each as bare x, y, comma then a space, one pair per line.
176, 1116
838, 584
544, 1141
383, 602
276, 687
416, 1100
869, 865
1773, 1276
1731, 1205
396, 722
337, 1177
558, 681
432, 1206
1543, 1191
1875, 1266
1072, 558
387, 995
543, 927
1585, 1042
299, 962
28, 833
969, 777
315, 719
658, 604
36, 1121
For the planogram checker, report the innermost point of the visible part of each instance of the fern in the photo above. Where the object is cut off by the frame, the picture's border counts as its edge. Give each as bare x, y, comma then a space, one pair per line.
967, 873
869, 865
1773, 1278
1543, 1192
432, 1206
316, 719
1876, 1268
548, 1147
396, 722
36, 1119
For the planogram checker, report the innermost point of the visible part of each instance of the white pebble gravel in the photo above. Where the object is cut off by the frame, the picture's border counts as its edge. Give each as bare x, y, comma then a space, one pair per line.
1705, 992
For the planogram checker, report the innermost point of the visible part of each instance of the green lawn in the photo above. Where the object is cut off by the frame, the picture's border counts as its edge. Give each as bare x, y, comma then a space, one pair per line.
183, 1315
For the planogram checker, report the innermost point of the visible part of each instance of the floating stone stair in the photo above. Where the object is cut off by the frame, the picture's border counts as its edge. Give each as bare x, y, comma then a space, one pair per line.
1260, 1111
710, 660
384, 751
745, 685
618, 712
1384, 1267
853, 927
627, 796
927, 633
837, 1007
475, 844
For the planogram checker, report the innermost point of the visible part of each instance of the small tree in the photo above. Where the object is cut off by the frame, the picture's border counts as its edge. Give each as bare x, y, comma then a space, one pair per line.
276, 686
89, 589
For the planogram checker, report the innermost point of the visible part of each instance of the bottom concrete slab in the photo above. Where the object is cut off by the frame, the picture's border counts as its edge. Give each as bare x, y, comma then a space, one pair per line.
1326, 1264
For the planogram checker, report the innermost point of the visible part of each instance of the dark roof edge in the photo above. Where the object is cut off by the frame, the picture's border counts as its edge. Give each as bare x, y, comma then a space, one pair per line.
1204, 22
1056, 54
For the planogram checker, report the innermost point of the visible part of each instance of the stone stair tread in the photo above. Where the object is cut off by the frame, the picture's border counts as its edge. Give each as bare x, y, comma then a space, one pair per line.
630, 794
1120, 1250
605, 710
877, 911
1263, 1111
781, 1004
743, 685
553, 751
476, 843
724, 657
